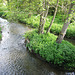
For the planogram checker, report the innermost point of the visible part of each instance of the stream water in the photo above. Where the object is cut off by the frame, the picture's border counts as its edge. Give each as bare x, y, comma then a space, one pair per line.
15, 59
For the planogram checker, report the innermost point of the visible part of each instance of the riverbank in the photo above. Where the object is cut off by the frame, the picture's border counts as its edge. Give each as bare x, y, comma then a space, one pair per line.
56, 54
33, 21
45, 45
15, 59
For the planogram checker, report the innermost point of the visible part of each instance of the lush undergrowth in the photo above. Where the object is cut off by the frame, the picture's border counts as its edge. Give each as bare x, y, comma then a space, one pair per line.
33, 21
3, 9
0, 34
45, 44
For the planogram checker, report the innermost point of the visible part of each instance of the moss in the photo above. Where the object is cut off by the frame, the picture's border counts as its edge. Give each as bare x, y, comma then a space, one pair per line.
45, 44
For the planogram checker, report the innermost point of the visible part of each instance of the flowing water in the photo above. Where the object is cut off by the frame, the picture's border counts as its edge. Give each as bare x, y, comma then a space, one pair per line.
15, 59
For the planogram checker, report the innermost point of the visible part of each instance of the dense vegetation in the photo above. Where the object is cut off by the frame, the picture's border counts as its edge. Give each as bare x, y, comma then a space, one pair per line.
45, 45
33, 21
43, 15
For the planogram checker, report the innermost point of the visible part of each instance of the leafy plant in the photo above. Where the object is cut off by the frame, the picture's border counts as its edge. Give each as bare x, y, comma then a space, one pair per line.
45, 44
33, 21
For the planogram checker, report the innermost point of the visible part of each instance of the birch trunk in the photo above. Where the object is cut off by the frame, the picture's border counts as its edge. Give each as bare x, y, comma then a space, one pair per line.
65, 26
43, 16
53, 17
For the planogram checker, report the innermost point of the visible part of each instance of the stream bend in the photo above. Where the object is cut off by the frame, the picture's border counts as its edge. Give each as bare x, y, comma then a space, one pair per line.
15, 59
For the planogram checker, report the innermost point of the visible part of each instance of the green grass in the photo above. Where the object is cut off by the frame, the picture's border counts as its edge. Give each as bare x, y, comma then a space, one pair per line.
45, 45
0, 34
33, 21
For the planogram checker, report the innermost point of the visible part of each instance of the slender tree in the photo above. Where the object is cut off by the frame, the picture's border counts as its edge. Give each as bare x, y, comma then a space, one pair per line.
65, 26
43, 15
53, 17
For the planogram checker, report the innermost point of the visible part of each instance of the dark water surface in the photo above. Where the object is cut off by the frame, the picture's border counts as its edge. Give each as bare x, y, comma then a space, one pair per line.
15, 59
71, 41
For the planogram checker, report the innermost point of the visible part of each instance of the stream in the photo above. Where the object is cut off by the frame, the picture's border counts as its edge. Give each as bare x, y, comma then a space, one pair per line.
15, 59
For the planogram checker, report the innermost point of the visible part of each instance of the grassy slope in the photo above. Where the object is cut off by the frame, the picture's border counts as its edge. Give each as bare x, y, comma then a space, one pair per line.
59, 54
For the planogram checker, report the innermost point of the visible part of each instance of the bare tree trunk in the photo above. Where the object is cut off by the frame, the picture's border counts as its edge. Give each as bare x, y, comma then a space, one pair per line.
53, 17
65, 26
41, 26
42, 22
43, 17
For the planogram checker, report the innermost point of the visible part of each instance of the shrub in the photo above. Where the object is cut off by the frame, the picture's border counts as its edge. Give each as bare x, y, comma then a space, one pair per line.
45, 44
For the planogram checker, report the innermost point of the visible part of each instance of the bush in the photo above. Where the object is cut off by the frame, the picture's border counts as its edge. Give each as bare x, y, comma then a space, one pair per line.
45, 44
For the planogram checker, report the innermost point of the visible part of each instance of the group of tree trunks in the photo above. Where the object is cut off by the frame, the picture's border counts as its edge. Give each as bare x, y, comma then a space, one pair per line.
44, 12
66, 23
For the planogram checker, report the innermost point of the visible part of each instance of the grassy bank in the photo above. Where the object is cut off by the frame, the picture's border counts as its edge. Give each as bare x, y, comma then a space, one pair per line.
0, 34
33, 21
45, 45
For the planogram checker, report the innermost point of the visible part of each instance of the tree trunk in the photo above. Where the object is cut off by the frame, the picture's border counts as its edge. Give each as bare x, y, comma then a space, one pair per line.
43, 17
53, 17
42, 22
65, 26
